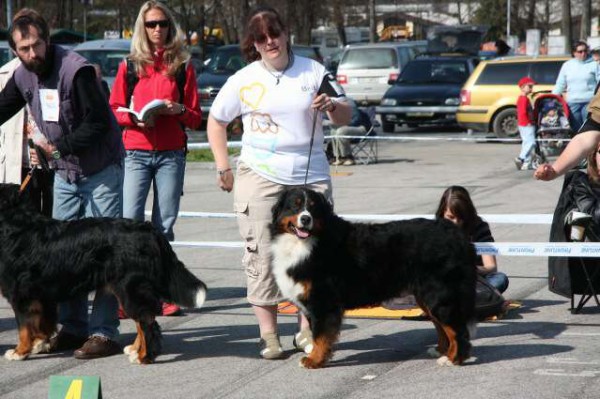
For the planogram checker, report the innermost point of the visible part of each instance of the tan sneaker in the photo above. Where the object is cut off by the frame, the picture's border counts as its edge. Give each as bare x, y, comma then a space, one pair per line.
270, 347
303, 341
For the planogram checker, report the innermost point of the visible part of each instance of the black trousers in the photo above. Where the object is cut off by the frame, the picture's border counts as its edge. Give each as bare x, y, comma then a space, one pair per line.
40, 189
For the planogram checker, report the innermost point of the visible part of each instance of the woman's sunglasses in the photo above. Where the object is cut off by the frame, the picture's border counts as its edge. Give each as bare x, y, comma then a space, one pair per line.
581, 51
163, 23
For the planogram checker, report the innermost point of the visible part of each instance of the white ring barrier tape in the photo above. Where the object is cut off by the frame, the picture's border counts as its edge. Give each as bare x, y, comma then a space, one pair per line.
555, 249
543, 218
238, 144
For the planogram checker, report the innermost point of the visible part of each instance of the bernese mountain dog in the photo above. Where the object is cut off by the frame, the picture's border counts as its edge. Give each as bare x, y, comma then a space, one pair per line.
326, 265
45, 261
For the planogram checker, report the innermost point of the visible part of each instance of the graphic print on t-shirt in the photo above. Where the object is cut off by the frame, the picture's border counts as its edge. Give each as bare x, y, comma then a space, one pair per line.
252, 94
263, 123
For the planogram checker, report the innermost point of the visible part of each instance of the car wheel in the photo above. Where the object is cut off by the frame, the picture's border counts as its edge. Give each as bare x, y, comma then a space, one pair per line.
505, 124
388, 127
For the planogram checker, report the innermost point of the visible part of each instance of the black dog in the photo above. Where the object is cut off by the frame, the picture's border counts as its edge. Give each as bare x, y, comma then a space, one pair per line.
327, 265
45, 261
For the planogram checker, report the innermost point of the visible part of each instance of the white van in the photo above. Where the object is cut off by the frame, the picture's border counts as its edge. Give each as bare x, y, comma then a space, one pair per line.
365, 69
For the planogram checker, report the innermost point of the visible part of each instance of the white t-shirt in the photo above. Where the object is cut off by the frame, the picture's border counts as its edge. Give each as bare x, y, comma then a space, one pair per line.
277, 120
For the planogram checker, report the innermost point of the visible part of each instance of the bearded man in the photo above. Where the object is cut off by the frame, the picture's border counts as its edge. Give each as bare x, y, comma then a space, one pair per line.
82, 142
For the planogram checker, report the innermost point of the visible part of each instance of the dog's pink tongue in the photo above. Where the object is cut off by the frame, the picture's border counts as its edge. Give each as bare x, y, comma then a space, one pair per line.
301, 233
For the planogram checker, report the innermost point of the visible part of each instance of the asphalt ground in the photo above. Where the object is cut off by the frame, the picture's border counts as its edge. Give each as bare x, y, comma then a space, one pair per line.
538, 351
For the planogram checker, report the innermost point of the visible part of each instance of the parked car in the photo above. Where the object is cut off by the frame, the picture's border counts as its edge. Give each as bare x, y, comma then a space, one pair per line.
426, 92
365, 70
107, 53
224, 62
489, 96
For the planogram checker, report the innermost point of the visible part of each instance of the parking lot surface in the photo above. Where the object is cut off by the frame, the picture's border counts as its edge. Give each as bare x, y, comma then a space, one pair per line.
538, 351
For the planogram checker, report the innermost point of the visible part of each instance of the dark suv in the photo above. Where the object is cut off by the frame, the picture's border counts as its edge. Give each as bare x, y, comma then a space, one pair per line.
426, 92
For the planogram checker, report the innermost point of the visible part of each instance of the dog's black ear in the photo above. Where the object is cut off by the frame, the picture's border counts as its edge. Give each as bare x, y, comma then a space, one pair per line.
278, 207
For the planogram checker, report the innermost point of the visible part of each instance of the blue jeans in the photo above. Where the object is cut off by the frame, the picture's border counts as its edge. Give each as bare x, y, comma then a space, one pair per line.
578, 115
165, 170
98, 195
527, 142
498, 280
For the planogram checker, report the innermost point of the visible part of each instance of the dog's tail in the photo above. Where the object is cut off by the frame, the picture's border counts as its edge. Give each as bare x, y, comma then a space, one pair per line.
183, 287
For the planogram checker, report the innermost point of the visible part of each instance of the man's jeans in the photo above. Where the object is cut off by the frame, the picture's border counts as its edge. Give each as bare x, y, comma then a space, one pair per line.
578, 115
165, 170
98, 195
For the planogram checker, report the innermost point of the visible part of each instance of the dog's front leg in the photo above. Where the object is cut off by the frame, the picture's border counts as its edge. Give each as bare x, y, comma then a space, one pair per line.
325, 329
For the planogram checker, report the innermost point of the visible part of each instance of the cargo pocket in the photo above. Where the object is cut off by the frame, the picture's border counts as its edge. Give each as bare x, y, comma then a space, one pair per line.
250, 259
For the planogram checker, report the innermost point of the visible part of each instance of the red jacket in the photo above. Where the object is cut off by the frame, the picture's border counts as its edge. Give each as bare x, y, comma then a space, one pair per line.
524, 111
167, 133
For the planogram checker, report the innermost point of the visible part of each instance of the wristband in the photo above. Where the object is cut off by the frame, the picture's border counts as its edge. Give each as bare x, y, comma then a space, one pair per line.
222, 172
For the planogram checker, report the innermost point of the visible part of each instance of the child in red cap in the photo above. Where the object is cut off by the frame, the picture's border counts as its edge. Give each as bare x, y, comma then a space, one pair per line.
526, 124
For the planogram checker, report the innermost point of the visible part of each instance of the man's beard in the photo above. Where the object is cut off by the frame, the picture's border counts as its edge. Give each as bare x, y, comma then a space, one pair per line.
37, 66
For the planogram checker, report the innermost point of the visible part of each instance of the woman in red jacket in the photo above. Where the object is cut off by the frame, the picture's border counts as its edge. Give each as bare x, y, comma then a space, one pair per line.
156, 147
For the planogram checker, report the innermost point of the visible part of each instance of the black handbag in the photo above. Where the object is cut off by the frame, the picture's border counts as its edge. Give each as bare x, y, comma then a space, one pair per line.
488, 300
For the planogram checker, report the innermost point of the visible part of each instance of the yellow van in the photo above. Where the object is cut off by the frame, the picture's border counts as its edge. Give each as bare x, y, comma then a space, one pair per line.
488, 98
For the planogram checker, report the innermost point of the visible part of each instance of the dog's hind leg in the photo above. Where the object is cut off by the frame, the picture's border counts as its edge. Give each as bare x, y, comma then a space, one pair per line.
443, 343
459, 345
147, 344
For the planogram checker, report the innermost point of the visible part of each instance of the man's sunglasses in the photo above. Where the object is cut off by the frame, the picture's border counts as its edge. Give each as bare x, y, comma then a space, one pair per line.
163, 23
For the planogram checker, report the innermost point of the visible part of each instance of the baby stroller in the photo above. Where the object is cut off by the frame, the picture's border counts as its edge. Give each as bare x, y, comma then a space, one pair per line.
551, 113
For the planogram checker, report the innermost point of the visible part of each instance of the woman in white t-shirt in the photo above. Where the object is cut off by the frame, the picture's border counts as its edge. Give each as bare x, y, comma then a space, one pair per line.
278, 96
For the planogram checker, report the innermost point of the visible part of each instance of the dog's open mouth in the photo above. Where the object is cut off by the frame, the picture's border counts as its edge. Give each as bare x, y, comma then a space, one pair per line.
300, 232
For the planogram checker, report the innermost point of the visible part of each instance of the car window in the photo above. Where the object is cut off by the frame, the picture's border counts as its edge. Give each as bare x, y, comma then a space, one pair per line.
545, 73
229, 60
503, 74
375, 58
308, 52
108, 60
438, 71
406, 54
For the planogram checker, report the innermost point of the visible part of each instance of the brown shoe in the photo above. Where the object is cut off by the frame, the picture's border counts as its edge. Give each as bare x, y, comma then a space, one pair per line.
97, 346
64, 341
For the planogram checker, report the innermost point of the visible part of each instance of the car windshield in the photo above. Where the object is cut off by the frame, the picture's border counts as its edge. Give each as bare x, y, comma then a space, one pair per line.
434, 72
226, 61
108, 60
370, 58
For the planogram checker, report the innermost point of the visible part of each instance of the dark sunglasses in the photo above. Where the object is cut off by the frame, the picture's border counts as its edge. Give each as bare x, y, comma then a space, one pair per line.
163, 23
581, 51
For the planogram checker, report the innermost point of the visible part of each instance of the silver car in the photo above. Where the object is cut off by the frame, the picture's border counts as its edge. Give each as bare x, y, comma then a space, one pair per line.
365, 70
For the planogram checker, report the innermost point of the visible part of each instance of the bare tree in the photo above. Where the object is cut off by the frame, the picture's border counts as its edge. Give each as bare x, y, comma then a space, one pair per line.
338, 18
372, 24
586, 19
566, 22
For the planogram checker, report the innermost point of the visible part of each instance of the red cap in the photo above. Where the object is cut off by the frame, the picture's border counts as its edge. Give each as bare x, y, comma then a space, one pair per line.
526, 81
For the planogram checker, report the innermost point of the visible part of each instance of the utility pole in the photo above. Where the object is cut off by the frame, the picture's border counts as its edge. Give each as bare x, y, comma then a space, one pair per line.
507, 18
566, 23
586, 20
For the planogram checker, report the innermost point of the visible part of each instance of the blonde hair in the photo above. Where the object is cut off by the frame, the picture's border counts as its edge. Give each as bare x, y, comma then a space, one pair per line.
141, 50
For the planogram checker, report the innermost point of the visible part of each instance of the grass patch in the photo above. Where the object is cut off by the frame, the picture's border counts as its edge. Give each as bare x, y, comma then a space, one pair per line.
205, 155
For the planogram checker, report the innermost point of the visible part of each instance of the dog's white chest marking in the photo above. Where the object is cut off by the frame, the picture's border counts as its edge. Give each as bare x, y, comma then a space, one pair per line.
288, 251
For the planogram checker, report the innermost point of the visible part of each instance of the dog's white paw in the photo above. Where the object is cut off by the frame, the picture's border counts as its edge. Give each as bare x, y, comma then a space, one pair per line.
40, 346
133, 358
433, 352
11, 354
444, 361
128, 349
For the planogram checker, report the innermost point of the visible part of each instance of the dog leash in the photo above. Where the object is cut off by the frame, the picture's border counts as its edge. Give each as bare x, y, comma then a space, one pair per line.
312, 139
43, 163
